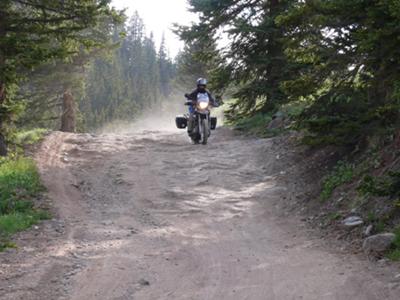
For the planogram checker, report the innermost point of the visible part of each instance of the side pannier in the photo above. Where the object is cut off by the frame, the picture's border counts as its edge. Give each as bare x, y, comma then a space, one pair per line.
213, 123
181, 122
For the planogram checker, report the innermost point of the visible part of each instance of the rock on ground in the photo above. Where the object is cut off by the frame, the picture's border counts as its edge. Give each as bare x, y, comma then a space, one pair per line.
353, 221
377, 245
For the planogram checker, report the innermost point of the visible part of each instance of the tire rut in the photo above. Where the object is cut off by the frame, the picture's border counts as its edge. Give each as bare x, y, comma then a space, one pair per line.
149, 216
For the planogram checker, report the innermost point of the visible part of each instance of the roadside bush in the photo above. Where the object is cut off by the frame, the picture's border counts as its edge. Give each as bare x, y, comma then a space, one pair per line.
19, 181
394, 254
385, 186
342, 173
29, 137
19, 185
256, 124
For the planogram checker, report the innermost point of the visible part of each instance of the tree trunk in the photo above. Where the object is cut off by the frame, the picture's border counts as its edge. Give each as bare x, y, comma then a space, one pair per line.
276, 65
3, 146
68, 118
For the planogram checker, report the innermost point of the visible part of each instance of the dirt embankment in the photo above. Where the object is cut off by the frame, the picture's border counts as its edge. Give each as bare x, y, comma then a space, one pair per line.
149, 216
306, 169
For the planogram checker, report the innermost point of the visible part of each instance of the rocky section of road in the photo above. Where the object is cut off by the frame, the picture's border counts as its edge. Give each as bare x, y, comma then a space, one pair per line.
346, 221
149, 216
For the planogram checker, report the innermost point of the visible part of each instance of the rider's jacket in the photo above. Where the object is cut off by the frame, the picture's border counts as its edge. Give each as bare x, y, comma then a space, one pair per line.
193, 96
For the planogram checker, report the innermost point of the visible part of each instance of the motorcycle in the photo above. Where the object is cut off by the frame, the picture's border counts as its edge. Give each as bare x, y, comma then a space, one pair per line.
203, 122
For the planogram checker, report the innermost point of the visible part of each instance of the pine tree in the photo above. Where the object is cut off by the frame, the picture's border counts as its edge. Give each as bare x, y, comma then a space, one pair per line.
254, 60
36, 31
165, 69
192, 64
153, 73
129, 80
348, 53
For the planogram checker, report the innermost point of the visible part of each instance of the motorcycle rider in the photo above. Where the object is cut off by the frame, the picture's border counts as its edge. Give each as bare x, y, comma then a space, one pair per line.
201, 90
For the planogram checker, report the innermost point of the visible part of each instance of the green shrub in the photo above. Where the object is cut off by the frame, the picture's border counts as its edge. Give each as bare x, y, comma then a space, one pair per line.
378, 222
294, 109
256, 124
19, 185
19, 181
394, 254
396, 242
6, 244
335, 216
15, 222
257, 120
341, 174
30, 137
388, 185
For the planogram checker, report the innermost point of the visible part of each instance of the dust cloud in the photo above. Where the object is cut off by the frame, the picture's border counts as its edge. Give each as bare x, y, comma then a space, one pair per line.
159, 118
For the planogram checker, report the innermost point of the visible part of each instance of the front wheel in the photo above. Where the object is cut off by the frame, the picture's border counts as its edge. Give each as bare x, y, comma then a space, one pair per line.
205, 131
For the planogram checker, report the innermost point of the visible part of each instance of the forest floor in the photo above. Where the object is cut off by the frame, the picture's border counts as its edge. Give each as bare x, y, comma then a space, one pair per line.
147, 215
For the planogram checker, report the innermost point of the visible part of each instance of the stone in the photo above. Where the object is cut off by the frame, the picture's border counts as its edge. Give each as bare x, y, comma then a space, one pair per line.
368, 230
378, 244
144, 282
353, 221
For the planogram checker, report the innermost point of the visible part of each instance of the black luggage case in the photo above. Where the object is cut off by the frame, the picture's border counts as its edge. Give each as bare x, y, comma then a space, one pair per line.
181, 122
213, 123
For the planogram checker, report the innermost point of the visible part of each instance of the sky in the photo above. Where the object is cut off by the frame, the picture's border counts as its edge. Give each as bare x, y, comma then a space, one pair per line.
158, 16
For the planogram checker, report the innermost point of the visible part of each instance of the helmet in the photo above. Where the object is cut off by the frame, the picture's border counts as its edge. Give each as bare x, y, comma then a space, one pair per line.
201, 81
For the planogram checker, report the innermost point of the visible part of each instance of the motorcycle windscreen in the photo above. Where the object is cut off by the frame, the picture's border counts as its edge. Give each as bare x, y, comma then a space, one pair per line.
203, 97
202, 101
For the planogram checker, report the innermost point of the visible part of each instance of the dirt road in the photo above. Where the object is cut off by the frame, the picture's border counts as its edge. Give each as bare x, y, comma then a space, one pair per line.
149, 216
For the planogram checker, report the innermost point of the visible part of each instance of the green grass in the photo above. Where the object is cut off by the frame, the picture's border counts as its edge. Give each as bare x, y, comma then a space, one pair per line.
394, 254
15, 222
378, 222
380, 226
19, 181
256, 124
335, 216
293, 109
19, 185
30, 137
6, 244
341, 174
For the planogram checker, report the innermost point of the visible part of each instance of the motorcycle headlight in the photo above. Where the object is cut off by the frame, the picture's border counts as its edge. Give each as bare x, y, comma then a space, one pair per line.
203, 105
